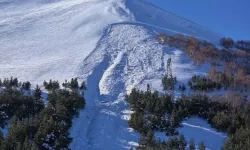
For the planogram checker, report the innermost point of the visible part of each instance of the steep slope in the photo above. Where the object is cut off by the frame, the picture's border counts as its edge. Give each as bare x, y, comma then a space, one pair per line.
50, 40
108, 43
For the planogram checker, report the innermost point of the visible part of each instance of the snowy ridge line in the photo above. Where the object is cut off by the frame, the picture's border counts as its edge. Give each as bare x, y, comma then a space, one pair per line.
182, 18
158, 27
203, 128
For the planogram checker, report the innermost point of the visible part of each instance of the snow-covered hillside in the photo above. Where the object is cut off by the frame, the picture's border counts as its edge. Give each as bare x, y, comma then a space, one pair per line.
108, 43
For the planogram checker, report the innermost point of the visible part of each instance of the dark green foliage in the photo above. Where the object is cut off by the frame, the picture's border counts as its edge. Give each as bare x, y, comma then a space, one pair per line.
27, 144
137, 121
201, 146
168, 83
56, 118
83, 86
221, 121
71, 100
199, 83
15, 102
182, 88
8, 144
1, 138
74, 85
182, 142
239, 141
37, 92
147, 141
150, 110
51, 85
173, 143
26, 85
35, 127
155, 112
191, 145
8, 83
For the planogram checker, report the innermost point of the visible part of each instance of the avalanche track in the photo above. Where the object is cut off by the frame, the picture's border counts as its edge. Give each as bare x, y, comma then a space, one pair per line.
126, 56
110, 44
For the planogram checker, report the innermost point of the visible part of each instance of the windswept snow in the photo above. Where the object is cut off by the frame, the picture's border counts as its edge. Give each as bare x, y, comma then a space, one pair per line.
49, 41
108, 43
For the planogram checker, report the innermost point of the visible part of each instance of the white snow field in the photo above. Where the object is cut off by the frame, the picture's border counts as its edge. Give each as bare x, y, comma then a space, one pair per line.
108, 43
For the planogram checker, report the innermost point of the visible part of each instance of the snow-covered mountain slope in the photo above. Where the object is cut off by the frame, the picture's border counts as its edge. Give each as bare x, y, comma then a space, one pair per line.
51, 40
108, 43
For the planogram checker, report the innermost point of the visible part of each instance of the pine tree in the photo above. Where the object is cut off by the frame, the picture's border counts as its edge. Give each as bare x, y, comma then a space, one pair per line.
26, 85
168, 81
74, 84
8, 143
182, 142
173, 143
83, 86
150, 138
27, 145
202, 146
1, 138
174, 119
191, 145
18, 146
17, 131
34, 147
37, 92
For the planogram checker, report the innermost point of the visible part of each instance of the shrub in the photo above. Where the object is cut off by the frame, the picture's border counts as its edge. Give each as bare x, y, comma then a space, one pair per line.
227, 42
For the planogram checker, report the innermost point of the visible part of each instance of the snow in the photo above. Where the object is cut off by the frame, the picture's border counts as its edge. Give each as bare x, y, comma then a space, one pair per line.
150, 14
5, 129
199, 130
110, 44
51, 40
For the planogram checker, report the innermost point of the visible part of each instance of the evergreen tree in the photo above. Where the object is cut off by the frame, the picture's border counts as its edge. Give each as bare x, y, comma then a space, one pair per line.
191, 145
74, 84
1, 138
34, 146
26, 85
27, 144
182, 142
173, 143
8, 144
17, 131
83, 86
174, 119
37, 92
150, 138
202, 146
